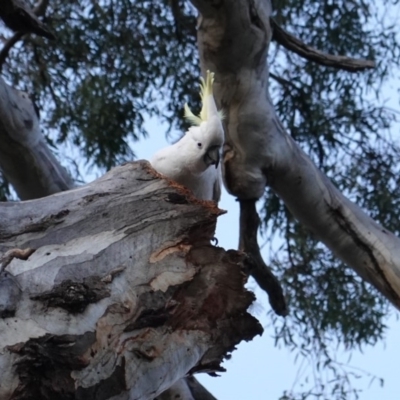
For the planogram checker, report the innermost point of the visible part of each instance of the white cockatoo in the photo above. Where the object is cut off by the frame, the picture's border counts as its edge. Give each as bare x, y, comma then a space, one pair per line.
194, 161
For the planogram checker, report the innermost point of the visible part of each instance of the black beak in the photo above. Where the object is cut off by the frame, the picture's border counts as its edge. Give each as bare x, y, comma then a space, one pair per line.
213, 156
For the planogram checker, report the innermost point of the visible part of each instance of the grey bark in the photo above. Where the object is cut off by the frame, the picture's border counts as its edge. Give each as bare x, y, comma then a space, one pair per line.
295, 45
186, 389
233, 40
120, 294
25, 159
27, 162
30, 166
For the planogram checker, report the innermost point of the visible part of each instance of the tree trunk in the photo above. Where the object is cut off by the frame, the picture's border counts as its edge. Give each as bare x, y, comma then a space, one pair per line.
121, 294
233, 39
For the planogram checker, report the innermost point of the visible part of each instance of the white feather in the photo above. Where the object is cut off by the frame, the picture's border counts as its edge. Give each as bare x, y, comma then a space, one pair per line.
184, 161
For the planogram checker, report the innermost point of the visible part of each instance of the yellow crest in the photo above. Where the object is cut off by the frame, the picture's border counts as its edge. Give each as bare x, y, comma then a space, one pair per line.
207, 99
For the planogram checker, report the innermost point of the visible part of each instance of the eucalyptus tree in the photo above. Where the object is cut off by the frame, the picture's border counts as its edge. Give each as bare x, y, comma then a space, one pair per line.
305, 126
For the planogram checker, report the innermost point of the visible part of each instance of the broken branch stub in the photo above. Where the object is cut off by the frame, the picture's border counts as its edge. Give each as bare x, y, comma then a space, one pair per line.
123, 295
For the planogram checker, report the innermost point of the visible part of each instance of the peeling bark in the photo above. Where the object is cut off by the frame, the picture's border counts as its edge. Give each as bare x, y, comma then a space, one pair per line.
233, 39
123, 295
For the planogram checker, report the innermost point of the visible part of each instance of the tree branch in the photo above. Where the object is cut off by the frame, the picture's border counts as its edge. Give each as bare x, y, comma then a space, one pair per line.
184, 25
39, 10
295, 45
8, 46
19, 17
187, 389
249, 223
25, 159
199, 392
259, 152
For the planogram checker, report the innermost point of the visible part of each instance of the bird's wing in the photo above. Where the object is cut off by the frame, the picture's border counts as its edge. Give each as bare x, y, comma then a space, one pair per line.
172, 161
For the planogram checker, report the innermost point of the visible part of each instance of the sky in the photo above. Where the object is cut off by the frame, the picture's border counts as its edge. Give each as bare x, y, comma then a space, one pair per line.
260, 371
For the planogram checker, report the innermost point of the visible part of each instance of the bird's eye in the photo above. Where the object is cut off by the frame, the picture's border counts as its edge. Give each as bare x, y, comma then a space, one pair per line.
199, 145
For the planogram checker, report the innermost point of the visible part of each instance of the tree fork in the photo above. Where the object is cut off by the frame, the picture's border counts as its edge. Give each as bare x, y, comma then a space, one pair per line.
258, 152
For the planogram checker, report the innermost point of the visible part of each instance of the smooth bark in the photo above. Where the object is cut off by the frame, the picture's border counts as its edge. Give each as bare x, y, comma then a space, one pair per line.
122, 294
295, 45
233, 39
25, 159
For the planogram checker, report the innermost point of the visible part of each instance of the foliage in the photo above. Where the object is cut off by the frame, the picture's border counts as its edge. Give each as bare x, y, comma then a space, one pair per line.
117, 62
340, 121
111, 65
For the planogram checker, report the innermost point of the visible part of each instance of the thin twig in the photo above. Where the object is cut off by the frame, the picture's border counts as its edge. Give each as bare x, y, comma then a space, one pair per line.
284, 82
29, 17
8, 46
295, 45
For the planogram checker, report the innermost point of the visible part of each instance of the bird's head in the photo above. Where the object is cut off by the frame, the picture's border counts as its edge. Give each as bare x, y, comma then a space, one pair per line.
207, 132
